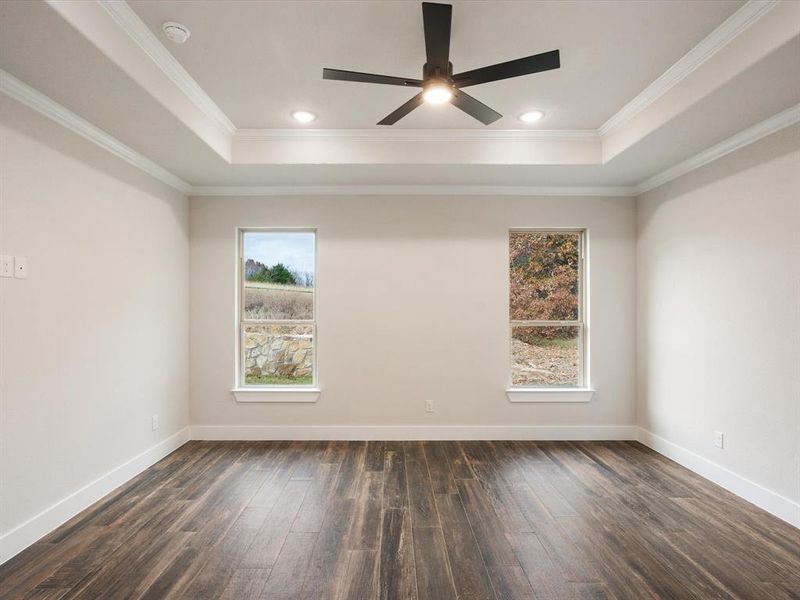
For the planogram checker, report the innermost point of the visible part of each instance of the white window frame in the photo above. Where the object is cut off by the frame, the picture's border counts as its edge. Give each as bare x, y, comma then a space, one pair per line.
582, 391
243, 391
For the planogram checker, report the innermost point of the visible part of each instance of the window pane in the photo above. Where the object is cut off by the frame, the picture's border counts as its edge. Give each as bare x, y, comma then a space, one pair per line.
544, 356
278, 275
278, 354
544, 275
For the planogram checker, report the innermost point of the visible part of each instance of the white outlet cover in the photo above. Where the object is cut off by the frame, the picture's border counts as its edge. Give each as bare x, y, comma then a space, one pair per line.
719, 439
20, 267
6, 266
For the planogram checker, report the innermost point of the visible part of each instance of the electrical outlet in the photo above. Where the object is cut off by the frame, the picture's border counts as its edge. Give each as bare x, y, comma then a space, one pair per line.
719, 439
6, 266
20, 267
155, 422
428, 405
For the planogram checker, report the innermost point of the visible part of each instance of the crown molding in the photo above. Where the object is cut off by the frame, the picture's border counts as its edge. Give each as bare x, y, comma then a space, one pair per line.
414, 135
783, 119
140, 33
723, 35
412, 190
22, 92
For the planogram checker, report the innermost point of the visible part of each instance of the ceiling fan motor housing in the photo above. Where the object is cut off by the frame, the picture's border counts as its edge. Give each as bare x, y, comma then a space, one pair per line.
430, 72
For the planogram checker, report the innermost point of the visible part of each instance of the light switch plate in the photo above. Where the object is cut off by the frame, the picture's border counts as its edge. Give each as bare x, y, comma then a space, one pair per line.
6, 266
20, 267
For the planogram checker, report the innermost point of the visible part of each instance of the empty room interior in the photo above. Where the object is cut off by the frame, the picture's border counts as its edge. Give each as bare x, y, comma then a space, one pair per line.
400, 300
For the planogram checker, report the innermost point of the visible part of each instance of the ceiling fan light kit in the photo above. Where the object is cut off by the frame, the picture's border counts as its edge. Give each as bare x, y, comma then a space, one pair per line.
437, 93
438, 83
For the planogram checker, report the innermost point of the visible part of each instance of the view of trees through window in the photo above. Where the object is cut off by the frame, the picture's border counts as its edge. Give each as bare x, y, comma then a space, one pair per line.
277, 307
545, 308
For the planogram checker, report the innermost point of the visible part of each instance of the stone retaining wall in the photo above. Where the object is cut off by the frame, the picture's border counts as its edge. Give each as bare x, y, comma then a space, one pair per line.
284, 354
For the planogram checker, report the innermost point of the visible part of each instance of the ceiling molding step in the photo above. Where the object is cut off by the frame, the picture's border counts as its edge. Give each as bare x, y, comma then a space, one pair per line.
414, 135
139, 32
412, 190
25, 94
416, 147
723, 35
783, 119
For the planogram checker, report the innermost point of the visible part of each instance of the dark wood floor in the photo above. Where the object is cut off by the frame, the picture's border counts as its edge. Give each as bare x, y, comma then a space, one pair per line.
413, 520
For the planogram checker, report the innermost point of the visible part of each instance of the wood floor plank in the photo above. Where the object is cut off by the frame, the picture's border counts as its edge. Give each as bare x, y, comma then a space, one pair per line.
434, 579
488, 529
470, 577
413, 520
397, 575
330, 555
420, 490
267, 544
312, 513
567, 557
361, 579
439, 468
289, 572
352, 464
280, 475
176, 576
395, 488
216, 562
373, 460
245, 584
510, 583
459, 465
309, 459
546, 577
365, 527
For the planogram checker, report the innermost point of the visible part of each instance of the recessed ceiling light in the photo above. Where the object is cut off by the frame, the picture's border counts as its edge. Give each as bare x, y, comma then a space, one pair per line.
531, 116
303, 116
176, 32
438, 93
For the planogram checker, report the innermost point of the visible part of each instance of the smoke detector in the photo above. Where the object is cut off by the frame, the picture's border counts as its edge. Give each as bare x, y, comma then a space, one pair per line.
176, 32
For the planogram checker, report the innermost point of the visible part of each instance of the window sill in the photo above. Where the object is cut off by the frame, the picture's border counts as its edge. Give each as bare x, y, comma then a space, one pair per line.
277, 394
549, 395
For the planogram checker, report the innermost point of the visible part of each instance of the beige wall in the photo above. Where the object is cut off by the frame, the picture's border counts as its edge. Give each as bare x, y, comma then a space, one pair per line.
412, 304
95, 341
718, 319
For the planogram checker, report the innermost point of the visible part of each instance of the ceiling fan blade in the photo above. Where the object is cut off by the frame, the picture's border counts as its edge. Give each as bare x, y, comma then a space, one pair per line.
401, 112
513, 68
340, 75
437, 19
474, 108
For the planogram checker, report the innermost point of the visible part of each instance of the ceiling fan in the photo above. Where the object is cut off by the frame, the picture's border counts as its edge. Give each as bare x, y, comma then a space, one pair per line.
438, 83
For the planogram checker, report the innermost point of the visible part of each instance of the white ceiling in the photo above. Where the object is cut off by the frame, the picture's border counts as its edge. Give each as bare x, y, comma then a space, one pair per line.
259, 60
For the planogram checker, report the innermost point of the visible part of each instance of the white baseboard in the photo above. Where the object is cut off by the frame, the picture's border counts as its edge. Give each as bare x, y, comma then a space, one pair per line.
772, 502
46, 521
413, 432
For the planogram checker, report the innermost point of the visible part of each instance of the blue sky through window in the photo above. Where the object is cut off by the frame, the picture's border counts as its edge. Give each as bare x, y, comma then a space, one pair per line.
294, 249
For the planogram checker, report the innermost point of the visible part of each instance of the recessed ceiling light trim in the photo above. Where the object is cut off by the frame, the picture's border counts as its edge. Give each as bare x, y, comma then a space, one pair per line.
303, 116
531, 116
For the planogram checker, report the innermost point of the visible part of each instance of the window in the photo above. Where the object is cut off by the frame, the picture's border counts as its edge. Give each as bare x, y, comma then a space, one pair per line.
277, 330
546, 295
